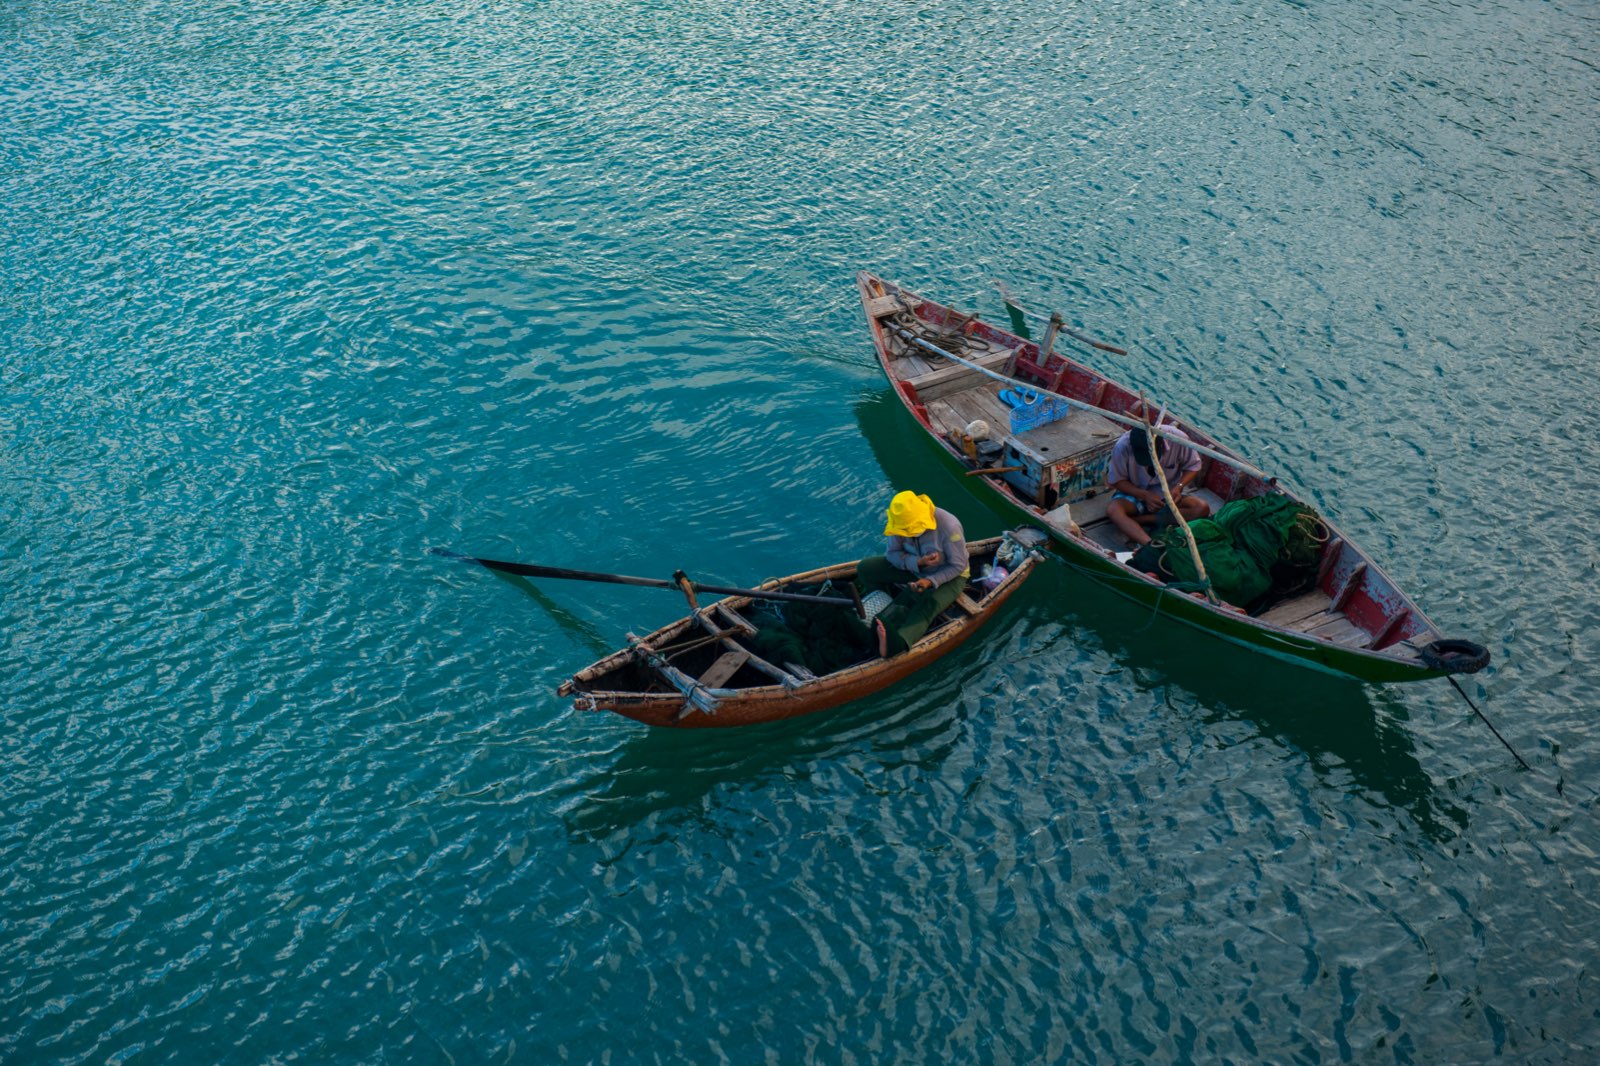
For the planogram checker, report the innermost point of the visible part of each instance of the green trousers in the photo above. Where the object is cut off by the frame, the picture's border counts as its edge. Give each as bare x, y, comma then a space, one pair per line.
912, 612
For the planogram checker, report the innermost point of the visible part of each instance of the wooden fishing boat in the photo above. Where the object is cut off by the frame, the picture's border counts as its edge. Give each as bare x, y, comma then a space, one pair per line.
704, 669
1046, 459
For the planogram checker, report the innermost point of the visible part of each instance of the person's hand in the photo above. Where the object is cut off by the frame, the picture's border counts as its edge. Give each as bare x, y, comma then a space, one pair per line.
922, 584
931, 560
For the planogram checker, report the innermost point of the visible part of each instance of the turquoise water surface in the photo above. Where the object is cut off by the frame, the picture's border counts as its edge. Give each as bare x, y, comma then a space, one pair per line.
292, 292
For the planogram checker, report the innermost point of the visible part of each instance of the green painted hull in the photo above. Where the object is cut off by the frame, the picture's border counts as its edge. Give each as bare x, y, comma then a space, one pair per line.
1376, 633
1229, 626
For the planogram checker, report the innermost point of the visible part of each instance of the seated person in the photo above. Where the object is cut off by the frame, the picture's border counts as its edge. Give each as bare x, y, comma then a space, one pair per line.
1131, 473
924, 567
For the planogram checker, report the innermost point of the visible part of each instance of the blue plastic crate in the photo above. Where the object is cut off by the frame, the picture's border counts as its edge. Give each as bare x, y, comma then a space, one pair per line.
1030, 410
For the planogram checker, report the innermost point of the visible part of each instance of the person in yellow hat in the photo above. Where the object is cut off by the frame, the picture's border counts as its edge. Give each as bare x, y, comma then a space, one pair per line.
924, 567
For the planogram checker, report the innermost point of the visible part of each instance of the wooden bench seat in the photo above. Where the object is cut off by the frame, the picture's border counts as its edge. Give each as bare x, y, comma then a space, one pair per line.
954, 377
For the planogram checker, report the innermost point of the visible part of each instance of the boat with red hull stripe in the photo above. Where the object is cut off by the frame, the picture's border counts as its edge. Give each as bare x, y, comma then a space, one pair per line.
1051, 422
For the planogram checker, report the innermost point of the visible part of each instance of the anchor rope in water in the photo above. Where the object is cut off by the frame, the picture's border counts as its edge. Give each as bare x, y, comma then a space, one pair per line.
1463, 694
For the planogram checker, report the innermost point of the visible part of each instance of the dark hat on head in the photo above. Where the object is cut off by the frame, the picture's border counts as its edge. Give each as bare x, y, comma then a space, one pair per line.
1140, 441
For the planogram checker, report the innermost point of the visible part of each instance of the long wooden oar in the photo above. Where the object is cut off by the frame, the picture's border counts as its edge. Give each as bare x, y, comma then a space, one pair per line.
531, 570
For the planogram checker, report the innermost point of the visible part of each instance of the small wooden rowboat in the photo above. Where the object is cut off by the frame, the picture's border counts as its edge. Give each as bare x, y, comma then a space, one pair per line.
703, 670
1046, 459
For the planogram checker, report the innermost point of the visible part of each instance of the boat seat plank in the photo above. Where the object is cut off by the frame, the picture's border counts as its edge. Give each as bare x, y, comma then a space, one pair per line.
777, 673
1351, 583
734, 619
967, 603
1092, 510
1330, 556
1341, 630
1212, 500
1291, 613
726, 666
956, 378
1394, 625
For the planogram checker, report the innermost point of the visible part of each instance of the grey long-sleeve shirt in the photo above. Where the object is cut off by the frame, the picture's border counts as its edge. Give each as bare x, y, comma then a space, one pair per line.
946, 537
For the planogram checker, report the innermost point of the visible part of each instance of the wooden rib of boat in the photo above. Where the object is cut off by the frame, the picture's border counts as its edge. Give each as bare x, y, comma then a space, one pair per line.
703, 670
949, 369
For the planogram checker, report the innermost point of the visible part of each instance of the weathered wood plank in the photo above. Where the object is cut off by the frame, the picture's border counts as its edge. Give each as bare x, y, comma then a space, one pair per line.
981, 403
1330, 556
953, 378
882, 306
1341, 630
1351, 583
777, 673
1291, 613
726, 666
735, 619
908, 366
1079, 431
1392, 627
945, 419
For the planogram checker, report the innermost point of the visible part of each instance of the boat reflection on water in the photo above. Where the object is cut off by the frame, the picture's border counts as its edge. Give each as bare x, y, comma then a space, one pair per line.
902, 450
662, 779
1336, 723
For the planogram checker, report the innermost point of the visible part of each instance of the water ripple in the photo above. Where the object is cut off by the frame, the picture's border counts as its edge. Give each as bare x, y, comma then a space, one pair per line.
290, 294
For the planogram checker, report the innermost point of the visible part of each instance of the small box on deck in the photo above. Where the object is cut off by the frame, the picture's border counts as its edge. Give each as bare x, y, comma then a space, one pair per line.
1062, 459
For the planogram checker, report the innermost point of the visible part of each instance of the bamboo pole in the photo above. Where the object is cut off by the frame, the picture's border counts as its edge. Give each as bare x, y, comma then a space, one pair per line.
1172, 504
1227, 460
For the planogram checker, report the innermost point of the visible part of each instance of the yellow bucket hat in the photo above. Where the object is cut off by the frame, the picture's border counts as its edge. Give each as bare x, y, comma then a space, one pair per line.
909, 515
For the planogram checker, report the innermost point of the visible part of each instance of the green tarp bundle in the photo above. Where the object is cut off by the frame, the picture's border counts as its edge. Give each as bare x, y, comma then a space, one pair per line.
1255, 550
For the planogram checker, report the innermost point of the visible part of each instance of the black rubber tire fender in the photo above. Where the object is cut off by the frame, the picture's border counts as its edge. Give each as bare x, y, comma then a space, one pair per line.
1454, 656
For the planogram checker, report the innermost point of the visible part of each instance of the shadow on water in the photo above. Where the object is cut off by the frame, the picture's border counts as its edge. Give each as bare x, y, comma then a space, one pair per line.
910, 461
1336, 723
568, 621
663, 778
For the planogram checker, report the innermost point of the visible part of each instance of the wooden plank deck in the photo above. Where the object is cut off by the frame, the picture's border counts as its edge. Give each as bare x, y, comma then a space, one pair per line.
908, 366
944, 380
954, 411
1293, 613
1341, 630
